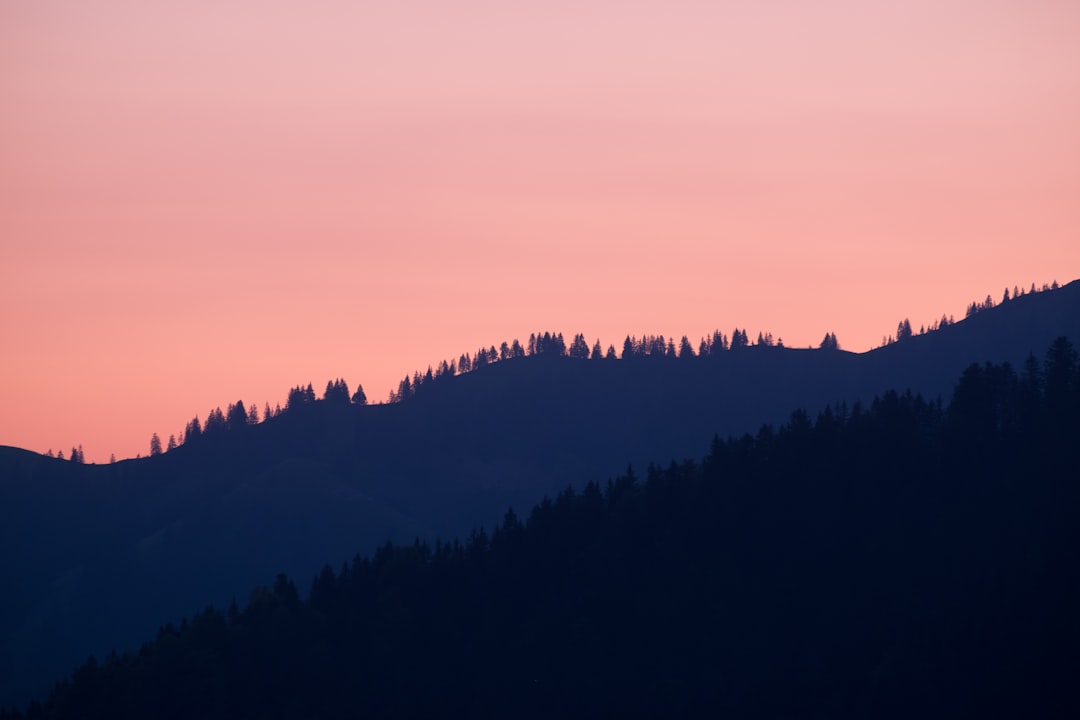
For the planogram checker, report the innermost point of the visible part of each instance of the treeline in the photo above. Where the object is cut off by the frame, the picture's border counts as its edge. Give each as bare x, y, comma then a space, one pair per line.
237, 415
904, 329
541, 343
899, 560
554, 345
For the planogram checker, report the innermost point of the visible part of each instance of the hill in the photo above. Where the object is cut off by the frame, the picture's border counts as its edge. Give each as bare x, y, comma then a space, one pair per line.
96, 556
906, 560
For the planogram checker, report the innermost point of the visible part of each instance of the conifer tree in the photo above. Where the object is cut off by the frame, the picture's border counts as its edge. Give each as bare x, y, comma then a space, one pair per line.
359, 398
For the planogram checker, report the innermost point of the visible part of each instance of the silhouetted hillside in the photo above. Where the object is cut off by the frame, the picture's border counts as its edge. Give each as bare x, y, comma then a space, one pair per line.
95, 556
902, 560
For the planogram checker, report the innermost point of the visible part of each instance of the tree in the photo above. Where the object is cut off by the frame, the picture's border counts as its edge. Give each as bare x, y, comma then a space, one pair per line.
627, 348
1059, 369
253, 415
172, 443
295, 398
903, 330
155, 445
579, 348
359, 398
597, 352
193, 431
237, 416
215, 422
829, 342
686, 350
337, 392
405, 389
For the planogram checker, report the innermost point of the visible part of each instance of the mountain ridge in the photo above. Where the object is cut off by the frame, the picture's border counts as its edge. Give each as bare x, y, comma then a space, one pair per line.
316, 484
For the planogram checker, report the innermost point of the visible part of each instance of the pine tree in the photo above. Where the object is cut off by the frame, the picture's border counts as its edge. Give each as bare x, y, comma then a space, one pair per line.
359, 398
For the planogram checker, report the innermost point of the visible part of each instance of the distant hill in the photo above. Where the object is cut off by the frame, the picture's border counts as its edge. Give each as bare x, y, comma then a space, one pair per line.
908, 559
94, 557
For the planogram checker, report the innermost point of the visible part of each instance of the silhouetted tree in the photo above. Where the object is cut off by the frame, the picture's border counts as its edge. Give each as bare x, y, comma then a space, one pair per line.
193, 430
237, 416
405, 389
579, 348
215, 422
359, 398
337, 392
172, 443
903, 330
155, 445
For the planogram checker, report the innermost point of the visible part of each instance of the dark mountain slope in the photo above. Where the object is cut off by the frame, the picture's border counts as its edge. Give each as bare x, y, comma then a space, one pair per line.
903, 561
95, 556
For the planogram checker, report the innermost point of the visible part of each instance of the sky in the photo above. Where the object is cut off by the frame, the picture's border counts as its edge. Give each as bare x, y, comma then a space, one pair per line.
202, 202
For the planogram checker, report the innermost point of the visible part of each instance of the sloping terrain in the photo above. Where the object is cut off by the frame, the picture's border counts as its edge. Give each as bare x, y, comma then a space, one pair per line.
94, 557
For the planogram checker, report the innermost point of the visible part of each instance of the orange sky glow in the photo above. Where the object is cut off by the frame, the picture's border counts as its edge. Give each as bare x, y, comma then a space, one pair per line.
209, 201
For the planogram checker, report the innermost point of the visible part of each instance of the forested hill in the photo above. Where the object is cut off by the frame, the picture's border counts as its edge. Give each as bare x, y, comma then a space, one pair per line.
902, 560
95, 556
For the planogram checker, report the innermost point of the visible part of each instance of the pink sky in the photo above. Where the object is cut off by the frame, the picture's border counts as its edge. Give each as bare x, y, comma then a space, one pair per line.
221, 200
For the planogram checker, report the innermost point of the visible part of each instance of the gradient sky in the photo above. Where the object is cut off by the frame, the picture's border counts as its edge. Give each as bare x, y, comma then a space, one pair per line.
209, 201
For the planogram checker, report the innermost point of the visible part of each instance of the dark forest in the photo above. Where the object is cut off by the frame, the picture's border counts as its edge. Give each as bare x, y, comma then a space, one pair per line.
906, 558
